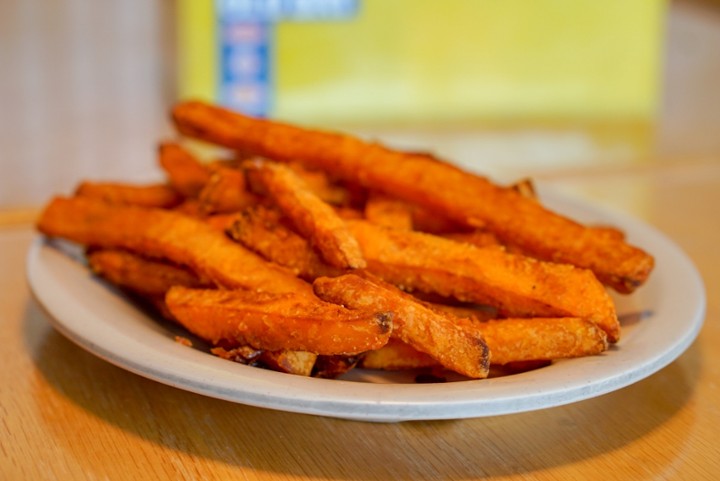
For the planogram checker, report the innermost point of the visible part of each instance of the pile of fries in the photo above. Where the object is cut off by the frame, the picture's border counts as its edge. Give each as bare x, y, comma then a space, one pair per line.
312, 253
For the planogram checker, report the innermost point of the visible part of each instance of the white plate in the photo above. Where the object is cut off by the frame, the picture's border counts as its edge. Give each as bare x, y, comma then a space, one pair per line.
659, 322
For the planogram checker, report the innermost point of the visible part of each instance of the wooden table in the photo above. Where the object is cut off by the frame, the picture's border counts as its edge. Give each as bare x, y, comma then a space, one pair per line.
69, 415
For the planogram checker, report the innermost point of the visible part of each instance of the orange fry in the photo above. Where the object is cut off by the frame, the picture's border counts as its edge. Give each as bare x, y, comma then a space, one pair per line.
292, 362
148, 277
453, 345
184, 171
225, 192
517, 286
514, 340
395, 356
166, 235
278, 321
153, 195
261, 230
311, 217
440, 187
384, 210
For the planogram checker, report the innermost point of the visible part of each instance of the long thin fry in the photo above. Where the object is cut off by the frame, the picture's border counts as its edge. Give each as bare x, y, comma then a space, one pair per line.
184, 171
148, 277
453, 345
150, 195
311, 217
514, 340
168, 235
470, 199
516, 285
261, 230
278, 321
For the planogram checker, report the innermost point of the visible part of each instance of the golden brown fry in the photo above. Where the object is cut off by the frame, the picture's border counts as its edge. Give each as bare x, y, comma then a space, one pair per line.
225, 192
153, 195
166, 235
384, 210
514, 340
261, 230
185, 173
147, 277
311, 217
453, 345
397, 355
517, 286
291, 362
478, 238
278, 321
321, 185
464, 197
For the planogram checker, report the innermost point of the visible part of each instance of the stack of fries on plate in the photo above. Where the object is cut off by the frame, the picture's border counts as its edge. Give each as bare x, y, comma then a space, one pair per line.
312, 253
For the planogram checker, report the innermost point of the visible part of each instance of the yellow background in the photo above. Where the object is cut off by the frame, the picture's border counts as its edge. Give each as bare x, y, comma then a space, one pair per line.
404, 61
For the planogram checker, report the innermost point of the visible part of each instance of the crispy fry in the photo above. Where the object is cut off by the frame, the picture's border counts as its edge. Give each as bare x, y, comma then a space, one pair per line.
321, 185
291, 362
466, 198
384, 210
225, 192
260, 229
185, 173
516, 285
515, 340
397, 355
167, 235
453, 345
152, 195
311, 217
478, 238
147, 277
278, 321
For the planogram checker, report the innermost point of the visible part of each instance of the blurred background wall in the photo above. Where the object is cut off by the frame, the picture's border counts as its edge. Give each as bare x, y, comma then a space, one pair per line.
505, 88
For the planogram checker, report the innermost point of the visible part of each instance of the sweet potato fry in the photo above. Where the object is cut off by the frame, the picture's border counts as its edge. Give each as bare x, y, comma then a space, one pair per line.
147, 277
261, 230
291, 362
278, 321
515, 340
384, 210
397, 355
469, 199
453, 345
152, 195
225, 192
478, 238
166, 235
321, 185
185, 173
311, 217
518, 286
